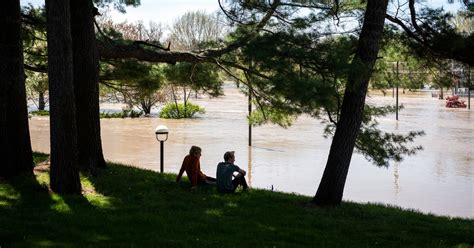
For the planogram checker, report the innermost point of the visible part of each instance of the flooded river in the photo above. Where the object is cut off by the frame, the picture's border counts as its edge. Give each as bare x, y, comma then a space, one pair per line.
439, 179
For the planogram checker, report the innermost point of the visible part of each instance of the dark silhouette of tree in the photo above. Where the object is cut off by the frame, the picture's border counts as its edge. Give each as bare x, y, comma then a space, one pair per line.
331, 188
14, 134
432, 34
64, 174
86, 85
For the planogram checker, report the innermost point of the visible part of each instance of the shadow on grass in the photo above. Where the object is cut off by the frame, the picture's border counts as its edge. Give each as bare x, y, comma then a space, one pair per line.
128, 206
35, 216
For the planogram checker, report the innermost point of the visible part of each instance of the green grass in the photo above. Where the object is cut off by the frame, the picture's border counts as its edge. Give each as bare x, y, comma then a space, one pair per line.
127, 206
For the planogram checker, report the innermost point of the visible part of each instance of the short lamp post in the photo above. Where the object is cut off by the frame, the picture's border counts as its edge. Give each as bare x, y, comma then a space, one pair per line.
161, 133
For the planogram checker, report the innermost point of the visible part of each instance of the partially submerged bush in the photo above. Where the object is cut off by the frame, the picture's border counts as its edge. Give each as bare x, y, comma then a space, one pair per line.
124, 114
40, 112
169, 111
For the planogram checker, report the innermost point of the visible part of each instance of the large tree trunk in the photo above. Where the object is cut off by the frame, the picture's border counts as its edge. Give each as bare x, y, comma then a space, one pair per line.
64, 166
86, 85
331, 188
14, 132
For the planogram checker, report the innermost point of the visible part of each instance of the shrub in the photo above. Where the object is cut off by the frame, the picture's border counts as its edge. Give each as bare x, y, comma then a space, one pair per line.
169, 111
40, 112
124, 114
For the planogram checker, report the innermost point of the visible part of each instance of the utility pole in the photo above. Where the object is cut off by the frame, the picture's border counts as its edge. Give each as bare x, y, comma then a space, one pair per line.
396, 101
250, 114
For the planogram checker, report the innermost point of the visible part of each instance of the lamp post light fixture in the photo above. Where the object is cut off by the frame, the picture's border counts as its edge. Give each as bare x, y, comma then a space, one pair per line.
161, 133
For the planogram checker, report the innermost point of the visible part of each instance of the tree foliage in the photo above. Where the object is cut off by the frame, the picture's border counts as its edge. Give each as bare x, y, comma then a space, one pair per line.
431, 33
303, 70
398, 66
196, 30
137, 82
171, 111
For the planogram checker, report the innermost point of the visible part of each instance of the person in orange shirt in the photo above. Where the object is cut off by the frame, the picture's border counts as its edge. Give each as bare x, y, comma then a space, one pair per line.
192, 166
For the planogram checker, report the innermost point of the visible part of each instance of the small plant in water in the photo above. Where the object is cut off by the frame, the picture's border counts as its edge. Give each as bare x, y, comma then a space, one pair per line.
40, 112
178, 111
124, 114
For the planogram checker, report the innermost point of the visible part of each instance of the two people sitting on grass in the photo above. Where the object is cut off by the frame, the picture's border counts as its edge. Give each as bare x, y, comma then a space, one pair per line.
227, 181
192, 166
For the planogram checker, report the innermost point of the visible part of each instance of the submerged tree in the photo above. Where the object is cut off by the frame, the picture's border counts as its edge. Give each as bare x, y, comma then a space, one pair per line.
137, 82
37, 88
193, 77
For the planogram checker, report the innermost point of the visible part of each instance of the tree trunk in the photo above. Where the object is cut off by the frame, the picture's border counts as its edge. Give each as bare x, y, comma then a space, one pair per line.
331, 188
41, 102
14, 132
146, 107
64, 175
86, 85
175, 102
185, 102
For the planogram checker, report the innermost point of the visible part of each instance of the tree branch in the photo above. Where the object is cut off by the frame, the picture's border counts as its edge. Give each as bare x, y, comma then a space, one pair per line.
330, 116
138, 42
41, 69
407, 30
115, 51
241, 42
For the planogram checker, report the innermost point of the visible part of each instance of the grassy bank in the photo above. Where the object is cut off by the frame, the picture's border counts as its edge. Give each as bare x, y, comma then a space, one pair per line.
127, 206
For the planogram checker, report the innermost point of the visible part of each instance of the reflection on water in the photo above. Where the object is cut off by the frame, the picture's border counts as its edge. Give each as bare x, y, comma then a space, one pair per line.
437, 180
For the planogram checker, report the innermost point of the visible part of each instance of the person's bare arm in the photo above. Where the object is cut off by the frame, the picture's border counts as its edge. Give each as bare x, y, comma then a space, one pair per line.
180, 173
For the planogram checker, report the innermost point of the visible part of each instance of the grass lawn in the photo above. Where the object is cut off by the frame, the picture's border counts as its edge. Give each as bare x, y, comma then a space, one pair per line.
127, 206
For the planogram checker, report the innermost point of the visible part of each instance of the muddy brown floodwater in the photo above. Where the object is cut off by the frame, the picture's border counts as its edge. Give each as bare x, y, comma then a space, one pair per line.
439, 179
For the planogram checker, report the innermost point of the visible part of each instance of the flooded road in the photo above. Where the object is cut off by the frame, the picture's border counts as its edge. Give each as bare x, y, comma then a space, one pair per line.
439, 179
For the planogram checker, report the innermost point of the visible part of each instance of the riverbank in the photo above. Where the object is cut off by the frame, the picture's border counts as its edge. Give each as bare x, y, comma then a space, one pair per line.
129, 206
441, 172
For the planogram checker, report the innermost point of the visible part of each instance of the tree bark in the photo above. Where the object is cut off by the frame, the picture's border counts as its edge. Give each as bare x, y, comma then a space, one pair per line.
41, 102
185, 101
331, 188
64, 174
15, 142
86, 85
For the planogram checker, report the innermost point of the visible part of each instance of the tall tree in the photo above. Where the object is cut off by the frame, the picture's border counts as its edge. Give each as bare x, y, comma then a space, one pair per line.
86, 85
195, 29
64, 174
331, 188
14, 134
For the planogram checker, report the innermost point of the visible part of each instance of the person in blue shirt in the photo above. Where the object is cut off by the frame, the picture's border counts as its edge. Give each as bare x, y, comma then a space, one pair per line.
227, 182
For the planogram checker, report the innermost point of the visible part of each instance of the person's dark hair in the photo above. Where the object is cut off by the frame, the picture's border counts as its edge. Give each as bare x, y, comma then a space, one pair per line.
195, 150
228, 155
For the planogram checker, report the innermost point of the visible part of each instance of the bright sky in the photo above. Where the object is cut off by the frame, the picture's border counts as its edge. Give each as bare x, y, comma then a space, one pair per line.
166, 11
162, 11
